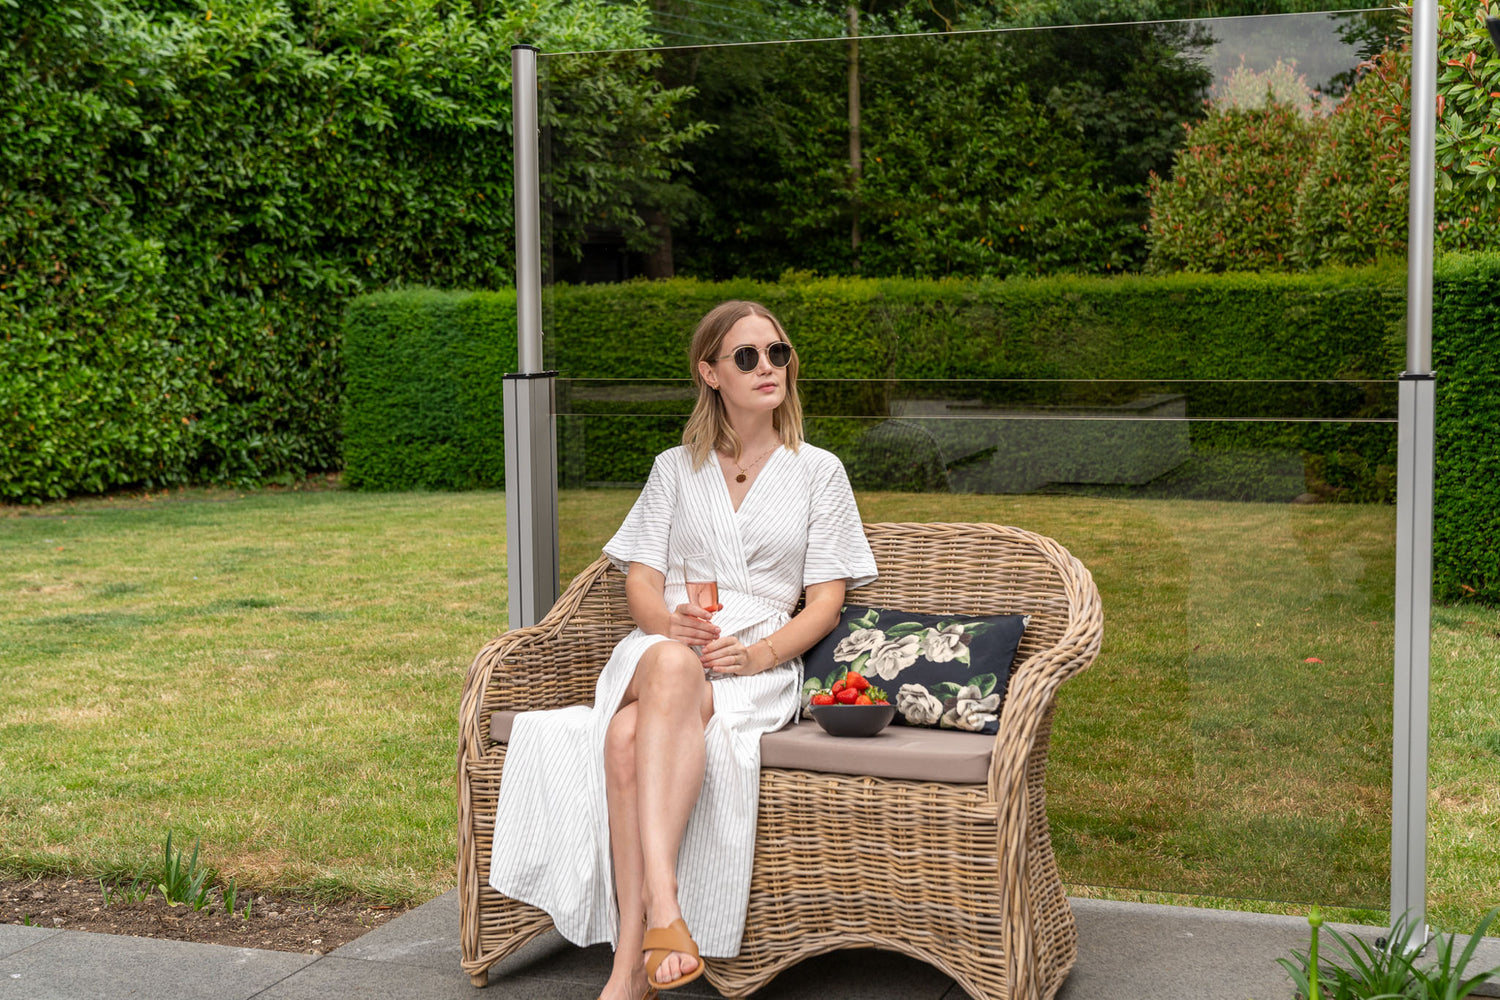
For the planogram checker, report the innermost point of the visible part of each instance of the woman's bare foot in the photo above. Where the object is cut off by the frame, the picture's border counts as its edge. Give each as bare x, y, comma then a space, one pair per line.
677, 963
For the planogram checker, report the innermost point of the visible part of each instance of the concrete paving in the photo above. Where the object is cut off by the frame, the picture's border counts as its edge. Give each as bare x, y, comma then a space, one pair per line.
1127, 951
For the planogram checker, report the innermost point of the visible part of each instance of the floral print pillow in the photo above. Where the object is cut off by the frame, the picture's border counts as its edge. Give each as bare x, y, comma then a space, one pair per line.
940, 671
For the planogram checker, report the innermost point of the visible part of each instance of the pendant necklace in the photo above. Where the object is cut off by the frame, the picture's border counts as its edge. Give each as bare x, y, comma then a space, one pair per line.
745, 469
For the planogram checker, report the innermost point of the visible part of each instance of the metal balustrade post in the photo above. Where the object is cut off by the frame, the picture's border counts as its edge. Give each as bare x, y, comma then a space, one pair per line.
1414, 498
531, 529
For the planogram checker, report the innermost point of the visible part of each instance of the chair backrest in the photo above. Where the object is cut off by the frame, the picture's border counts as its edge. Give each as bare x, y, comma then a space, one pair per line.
977, 569
973, 569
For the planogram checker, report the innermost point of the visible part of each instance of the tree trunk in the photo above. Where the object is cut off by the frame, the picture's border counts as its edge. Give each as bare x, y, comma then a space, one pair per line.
854, 154
659, 261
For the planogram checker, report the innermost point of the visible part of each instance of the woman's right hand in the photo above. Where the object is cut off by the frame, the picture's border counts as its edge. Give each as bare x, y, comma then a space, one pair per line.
691, 626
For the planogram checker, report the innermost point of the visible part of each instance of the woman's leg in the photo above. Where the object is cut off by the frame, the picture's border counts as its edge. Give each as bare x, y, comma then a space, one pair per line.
669, 702
674, 703
627, 979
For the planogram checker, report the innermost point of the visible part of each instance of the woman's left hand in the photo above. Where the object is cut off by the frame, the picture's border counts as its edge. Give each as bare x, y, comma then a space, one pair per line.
727, 655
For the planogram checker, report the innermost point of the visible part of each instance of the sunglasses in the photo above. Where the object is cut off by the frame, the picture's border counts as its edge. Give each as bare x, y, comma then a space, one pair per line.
747, 358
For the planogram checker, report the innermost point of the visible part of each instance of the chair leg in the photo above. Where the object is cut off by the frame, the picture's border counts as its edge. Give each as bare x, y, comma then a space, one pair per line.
479, 980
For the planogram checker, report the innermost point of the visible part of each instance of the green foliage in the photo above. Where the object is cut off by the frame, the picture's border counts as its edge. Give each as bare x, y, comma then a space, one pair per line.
1245, 89
135, 891
1352, 205
1349, 189
996, 154
423, 402
1465, 316
1230, 202
688, 22
1468, 130
190, 193
1392, 971
621, 350
183, 879
231, 895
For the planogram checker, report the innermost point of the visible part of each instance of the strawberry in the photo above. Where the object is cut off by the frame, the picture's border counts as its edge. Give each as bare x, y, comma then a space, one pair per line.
863, 699
877, 696
856, 681
838, 686
846, 696
823, 698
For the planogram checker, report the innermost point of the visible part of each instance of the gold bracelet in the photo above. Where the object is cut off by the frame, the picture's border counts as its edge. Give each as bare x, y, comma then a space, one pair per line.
774, 658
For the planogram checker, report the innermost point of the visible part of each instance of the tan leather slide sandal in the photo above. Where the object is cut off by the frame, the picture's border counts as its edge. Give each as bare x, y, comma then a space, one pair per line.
661, 942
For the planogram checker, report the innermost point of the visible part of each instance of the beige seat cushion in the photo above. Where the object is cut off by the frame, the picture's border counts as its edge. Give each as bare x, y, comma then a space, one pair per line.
897, 752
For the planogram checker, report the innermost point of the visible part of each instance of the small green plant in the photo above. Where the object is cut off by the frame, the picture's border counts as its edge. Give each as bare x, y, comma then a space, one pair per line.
231, 894
138, 889
184, 881
1387, 970
1445, 979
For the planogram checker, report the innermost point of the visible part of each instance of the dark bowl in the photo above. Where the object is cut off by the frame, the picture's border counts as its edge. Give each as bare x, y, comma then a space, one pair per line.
853, 720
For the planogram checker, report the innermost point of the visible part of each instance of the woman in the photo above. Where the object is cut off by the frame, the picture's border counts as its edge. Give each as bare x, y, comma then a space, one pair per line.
652, 791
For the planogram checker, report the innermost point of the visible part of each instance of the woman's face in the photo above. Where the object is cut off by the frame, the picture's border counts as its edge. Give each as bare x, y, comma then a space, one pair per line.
759, 390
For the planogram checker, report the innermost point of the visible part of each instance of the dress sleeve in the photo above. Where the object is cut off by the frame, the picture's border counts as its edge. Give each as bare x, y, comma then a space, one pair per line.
646, 532
836, 545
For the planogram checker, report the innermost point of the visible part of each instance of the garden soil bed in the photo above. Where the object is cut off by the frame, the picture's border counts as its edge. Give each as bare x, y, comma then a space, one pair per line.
275, 923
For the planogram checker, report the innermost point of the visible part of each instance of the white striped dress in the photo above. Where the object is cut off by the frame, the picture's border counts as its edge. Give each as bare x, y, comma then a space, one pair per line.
798, 525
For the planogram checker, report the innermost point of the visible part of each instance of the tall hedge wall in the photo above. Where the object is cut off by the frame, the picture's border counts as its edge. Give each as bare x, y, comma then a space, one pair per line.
189, 195
1466, 359
424, 409
1335, 325
424, 392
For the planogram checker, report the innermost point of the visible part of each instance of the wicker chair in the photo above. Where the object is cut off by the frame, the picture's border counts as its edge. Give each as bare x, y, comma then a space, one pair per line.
972, 888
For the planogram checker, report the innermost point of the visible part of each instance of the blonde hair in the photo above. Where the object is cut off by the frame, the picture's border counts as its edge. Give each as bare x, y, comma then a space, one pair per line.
708, 428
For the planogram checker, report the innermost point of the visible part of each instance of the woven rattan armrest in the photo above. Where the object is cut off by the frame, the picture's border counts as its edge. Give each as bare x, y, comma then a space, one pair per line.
551, 664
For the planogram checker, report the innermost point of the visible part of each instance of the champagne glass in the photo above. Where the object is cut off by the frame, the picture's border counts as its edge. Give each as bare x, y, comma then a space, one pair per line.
702, 582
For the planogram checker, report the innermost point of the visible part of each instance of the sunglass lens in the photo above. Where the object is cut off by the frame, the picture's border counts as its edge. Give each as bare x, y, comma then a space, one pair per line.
747, 358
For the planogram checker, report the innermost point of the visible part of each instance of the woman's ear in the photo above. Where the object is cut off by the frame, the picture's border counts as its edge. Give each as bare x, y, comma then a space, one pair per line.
708, 375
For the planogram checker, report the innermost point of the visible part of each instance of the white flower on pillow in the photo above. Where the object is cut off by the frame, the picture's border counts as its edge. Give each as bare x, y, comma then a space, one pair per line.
971, 712
895, 656
862, 641
917, 705
946, 645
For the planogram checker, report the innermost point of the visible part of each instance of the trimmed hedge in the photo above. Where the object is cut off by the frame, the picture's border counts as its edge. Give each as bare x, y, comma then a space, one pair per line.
1334, 325
1466, 518
424, 392
424, 403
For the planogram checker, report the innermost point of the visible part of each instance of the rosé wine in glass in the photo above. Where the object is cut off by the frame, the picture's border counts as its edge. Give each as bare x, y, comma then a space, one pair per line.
702, 582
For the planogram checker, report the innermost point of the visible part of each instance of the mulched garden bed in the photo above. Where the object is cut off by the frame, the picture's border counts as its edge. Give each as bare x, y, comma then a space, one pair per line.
275, 923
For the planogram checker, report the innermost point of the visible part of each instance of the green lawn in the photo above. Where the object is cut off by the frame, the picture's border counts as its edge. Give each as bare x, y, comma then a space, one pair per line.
278, 673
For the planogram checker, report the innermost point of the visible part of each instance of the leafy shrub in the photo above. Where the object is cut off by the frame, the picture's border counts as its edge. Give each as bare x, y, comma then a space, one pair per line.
1247, 89
1230, 203
190, 195
424, 399
1352, 205
424, 395
1468, 204
1351, 190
